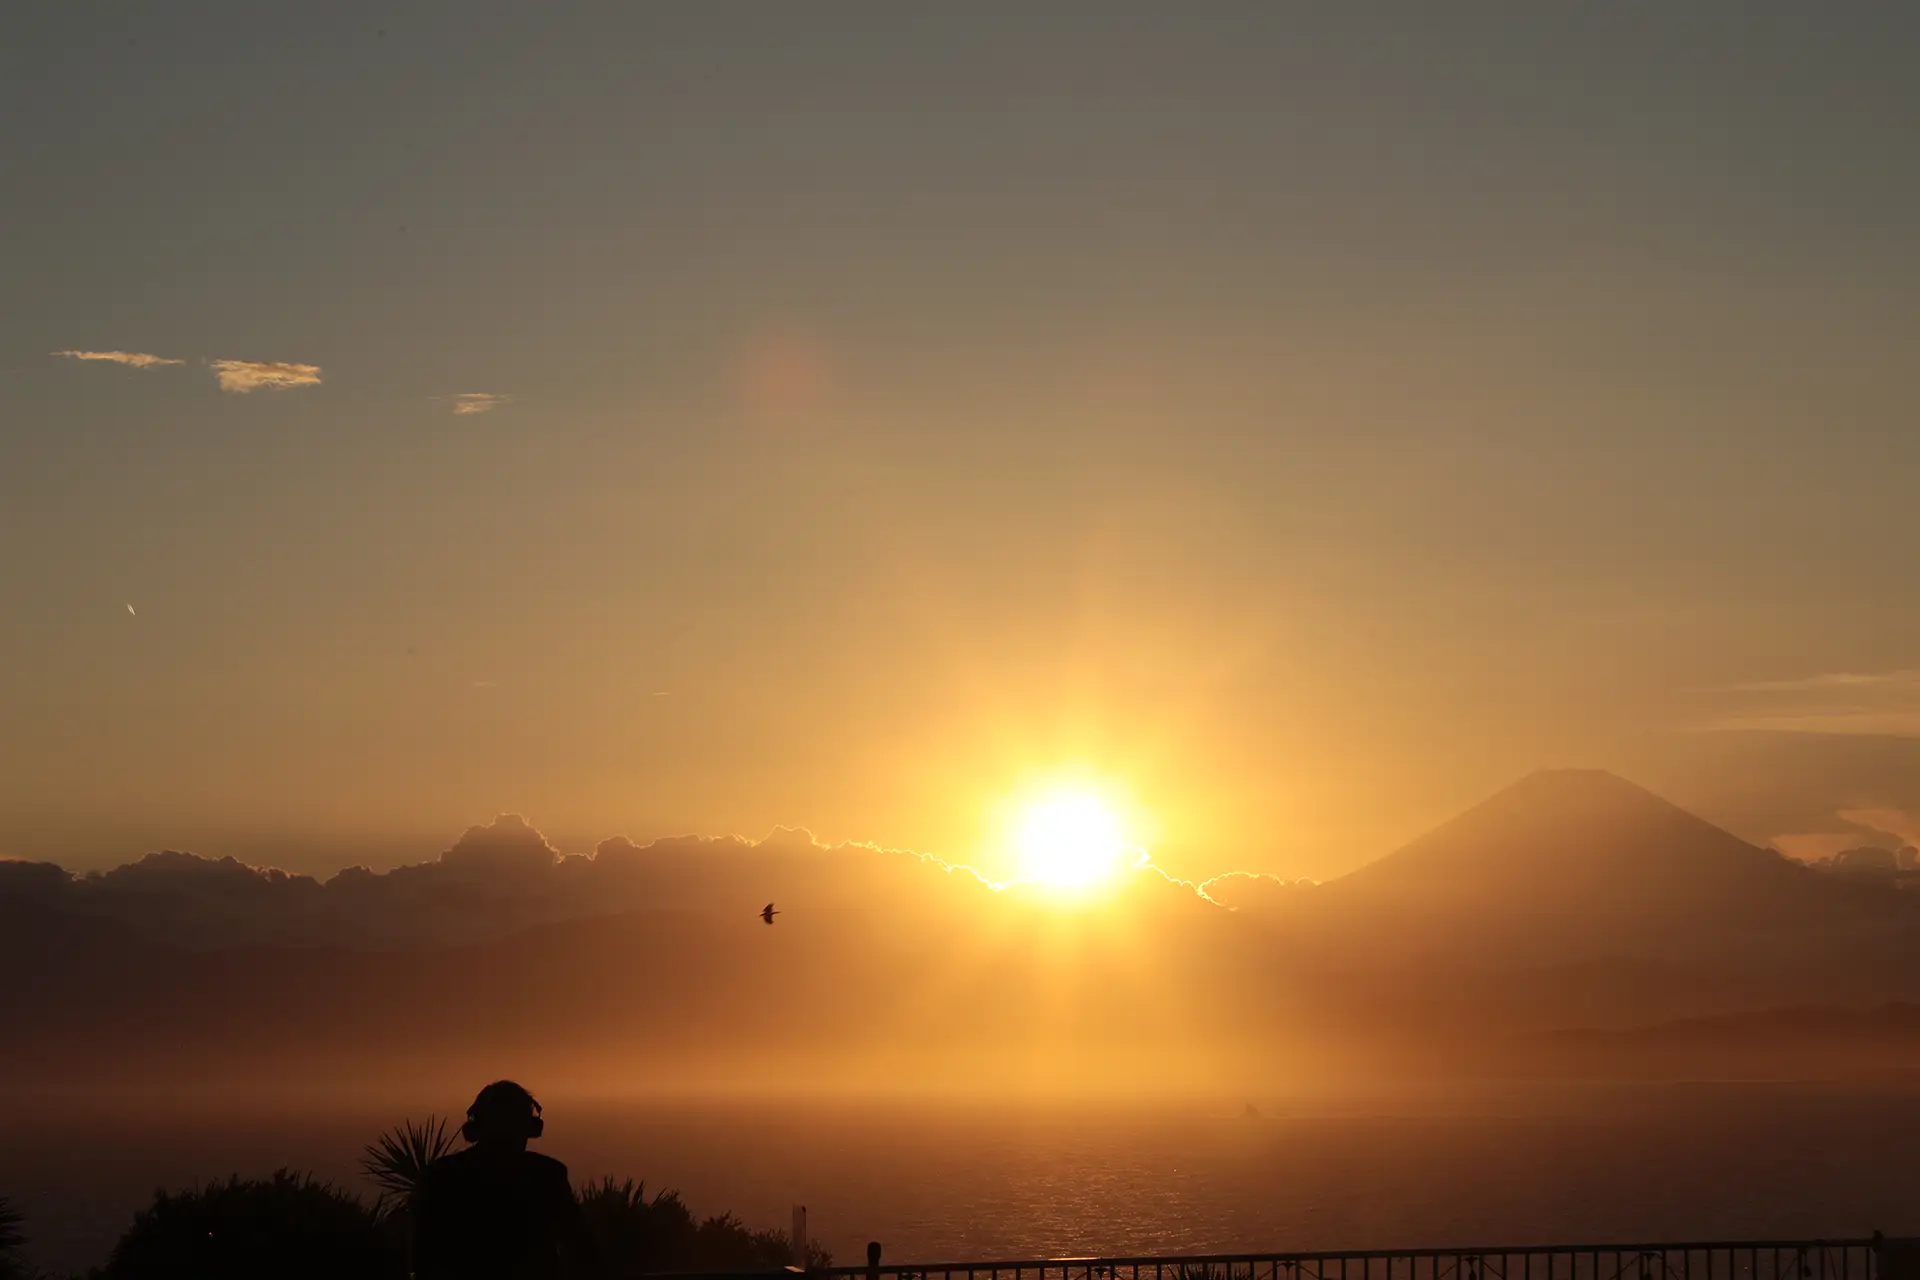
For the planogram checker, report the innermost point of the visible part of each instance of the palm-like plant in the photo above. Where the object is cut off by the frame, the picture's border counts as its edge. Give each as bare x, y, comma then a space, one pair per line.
396, 1160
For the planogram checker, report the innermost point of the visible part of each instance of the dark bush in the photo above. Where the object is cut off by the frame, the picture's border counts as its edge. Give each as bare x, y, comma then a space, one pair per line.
293, 1227
287, 1227
12, 1240
631, 1233
635, 1235
727, 1244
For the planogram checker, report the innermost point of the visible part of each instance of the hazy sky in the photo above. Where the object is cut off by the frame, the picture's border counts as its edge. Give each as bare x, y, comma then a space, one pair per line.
1301, 420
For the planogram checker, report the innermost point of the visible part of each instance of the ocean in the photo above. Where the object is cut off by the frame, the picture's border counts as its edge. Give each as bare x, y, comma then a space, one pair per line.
1489, 1165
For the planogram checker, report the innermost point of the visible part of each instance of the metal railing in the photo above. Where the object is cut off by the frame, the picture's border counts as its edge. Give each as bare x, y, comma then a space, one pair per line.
1855, 1259
1871, 1258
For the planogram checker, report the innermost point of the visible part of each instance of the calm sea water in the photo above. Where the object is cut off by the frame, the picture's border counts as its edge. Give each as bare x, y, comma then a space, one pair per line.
1486, 1166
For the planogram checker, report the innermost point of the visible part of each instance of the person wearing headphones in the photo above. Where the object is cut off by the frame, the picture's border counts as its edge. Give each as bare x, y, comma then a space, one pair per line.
495, 1210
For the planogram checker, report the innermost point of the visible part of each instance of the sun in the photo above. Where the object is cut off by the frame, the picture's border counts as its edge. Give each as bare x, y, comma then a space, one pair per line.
1070, 840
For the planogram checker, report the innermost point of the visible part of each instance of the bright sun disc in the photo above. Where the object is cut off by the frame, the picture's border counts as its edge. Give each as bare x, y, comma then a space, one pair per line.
1070, 840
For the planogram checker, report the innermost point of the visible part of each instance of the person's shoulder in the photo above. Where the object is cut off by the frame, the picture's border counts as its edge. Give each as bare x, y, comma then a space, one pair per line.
451, 1165
545, 1168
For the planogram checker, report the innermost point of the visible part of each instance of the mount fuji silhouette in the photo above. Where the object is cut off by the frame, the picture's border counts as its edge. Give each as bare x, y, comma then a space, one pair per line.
1570, 900
1575, 898
1586, 842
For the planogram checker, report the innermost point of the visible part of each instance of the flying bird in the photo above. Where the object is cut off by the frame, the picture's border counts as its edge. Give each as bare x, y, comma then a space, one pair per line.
767, 913
130, 610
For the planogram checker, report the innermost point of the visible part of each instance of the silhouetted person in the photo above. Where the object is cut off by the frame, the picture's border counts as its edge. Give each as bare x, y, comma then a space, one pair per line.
497, 1211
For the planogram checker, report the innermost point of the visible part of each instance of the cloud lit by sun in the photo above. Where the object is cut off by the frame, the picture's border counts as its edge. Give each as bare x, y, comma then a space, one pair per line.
1070, 840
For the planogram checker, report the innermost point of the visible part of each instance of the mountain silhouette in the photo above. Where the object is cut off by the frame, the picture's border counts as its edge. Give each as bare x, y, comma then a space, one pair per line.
1576, 898
1572, 900
1586, 839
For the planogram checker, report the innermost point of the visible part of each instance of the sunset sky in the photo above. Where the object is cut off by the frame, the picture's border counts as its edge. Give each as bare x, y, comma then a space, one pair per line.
1293, 422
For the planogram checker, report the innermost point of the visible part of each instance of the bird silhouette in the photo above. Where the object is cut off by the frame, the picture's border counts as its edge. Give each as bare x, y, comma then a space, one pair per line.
767, 913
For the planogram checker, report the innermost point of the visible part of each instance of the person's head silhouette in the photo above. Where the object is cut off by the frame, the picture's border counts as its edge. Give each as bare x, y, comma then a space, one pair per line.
503, 1115
495, 1208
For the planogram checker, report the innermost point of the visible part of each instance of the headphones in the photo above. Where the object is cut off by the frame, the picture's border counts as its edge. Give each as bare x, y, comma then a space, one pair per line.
496, 1102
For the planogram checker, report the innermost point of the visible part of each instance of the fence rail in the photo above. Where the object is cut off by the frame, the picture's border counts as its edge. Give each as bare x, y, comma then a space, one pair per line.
1871, 1258
1853, 1259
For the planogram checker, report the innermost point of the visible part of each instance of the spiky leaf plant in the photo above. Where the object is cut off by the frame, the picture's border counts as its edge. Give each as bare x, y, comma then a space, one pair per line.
398, 1158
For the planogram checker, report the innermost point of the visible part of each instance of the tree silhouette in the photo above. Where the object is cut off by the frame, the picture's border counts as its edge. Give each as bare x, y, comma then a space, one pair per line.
290, 1226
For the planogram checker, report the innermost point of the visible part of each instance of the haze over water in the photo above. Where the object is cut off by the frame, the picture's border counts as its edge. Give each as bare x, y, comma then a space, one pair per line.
1484, 1165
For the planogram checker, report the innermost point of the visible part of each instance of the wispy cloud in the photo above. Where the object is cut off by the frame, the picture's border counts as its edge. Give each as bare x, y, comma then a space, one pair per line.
474, 401
242, 376
1852, 722
1885, 820
477, 401
1866, 703
133, 359
1832, 680
1894, 822
1252, 890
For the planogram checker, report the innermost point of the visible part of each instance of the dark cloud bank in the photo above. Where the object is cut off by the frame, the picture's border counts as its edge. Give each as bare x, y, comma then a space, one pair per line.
495, 880
1573, 923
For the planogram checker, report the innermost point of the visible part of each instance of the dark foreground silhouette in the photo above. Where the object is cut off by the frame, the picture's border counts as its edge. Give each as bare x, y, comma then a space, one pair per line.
12, 1239
288, 1225
497, 1211
493, 1209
